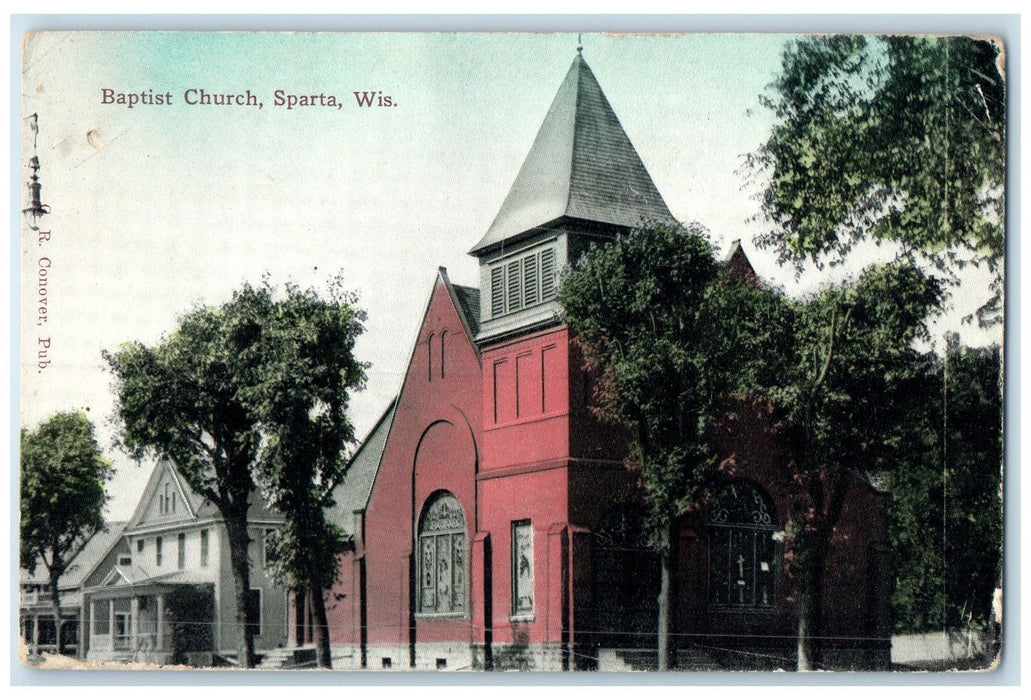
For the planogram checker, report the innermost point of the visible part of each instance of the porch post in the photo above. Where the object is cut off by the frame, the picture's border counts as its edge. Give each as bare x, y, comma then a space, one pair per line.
88, 634
161, 622
134, 622
111, 620
35, 633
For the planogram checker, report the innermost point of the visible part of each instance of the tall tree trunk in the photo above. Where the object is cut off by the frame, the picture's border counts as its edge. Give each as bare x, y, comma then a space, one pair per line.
805, 619
665, 608
238, 542
810, 587
55, 602
322, 653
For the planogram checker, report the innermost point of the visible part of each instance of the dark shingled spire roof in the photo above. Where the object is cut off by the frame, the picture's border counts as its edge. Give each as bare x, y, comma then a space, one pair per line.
581, 165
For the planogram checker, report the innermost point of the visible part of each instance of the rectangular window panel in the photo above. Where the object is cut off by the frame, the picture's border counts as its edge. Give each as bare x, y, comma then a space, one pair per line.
181, 560
522, 568
101, 617
444, 573
531, 279
551, 378
139, 545
515, 291
497, 291
526, 387
429, 559
458, 573
157, 551
267, 554
204, 544
504, 391
547, 274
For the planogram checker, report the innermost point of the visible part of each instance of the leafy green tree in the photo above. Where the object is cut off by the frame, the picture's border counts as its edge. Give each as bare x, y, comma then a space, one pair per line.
895, 138
946, 507
644, 310
675, 340
63, 478
843, 401
212, 397
305, 372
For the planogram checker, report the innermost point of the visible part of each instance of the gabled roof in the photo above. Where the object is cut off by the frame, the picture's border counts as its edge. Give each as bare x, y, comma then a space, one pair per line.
84, 563
581, 165
353, 492
469, 305
740, 266
137, 576
197, 506
191, 500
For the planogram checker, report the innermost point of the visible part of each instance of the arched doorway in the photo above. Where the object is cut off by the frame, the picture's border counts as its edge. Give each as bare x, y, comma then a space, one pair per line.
742, 550
443, 571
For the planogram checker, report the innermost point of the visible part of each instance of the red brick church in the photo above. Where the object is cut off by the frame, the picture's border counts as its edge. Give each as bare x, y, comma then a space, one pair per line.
496, 525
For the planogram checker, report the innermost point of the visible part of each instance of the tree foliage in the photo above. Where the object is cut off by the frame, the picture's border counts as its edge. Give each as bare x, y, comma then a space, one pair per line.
639, 309
307, 371
217, 397
677, 342
647, 310
63, 478
946, 508
897, 138
845, 401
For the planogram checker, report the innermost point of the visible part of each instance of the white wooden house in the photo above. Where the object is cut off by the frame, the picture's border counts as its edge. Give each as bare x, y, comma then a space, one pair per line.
171, 598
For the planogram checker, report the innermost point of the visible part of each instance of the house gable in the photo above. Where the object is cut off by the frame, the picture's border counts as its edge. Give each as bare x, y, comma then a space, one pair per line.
166, 499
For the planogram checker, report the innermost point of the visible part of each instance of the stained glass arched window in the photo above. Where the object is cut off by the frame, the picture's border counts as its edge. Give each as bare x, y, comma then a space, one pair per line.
742, 549
442, 557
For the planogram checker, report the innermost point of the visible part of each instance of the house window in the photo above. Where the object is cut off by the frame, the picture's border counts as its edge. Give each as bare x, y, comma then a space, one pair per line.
204, 547
124, 559
157, 551
523, 282
268, 555
122, 631
254, 610
139, 544
742, 549
181, 560
522, 568
442, 557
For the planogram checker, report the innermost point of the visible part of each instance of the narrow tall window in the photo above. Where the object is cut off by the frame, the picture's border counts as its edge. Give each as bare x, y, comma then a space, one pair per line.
181, 550
204, 544
443, 338
442, 557
429, 358
157, 551
267, 554
497, 291
515, 285
139, 545
531, 279
522, 568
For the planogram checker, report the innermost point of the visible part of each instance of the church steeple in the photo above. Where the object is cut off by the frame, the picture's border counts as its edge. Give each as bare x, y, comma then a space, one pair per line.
581, 166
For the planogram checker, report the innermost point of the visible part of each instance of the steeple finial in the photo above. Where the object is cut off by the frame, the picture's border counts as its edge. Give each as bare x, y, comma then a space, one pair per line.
580, 43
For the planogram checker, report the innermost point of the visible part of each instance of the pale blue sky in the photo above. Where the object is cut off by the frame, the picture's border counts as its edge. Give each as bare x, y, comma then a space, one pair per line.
181, 204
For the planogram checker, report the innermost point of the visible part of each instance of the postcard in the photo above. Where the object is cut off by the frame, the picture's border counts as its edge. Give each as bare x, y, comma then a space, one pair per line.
512, 352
